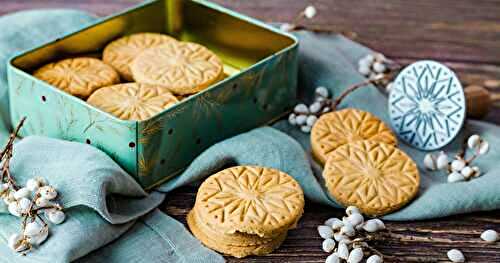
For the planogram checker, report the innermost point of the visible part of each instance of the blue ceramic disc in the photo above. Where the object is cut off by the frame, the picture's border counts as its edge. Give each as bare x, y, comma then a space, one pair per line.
427, 105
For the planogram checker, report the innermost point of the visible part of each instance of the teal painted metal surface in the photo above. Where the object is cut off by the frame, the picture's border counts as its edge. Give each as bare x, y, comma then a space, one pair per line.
157, 149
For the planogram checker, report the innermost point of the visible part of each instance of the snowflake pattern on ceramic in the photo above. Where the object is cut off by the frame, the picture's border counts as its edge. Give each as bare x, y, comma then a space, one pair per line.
427, 105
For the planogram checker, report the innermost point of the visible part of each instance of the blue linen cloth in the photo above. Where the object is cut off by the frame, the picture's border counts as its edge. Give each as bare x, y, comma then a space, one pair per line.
111, 219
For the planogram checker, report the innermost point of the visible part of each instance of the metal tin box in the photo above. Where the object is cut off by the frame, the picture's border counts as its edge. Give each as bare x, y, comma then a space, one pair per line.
261, 63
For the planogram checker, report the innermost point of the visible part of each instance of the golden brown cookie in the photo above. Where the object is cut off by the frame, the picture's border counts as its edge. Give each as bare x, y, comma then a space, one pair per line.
338, 128
183, 67
133, 101
376, 177
250, 199
236, 239
217, 244
78, 76
121, 52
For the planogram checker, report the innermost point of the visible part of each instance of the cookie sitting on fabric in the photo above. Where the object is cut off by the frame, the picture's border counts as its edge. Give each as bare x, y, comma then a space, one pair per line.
246, 210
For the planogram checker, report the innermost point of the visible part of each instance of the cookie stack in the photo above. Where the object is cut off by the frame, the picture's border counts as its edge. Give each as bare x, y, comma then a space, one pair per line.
160, 71
363, 166
246, 210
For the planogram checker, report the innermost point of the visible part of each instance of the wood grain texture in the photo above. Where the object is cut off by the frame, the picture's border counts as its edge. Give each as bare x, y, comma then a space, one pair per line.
463, 34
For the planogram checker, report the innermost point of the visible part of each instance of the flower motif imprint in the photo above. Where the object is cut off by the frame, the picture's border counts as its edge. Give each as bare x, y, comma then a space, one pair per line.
427, 105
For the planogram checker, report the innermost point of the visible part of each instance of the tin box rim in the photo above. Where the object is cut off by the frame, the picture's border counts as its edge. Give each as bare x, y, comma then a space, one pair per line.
295, 43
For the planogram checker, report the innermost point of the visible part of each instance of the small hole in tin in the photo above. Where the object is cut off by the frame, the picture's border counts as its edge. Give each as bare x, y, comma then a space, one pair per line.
131, 144
198, 141
170, 131
235, 86
44, 99
162, 161
254, 100
87, 141
265, 107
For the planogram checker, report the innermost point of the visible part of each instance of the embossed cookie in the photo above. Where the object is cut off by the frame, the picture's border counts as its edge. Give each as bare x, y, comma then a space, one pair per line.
376, 177
338, 128
133, 101
183, 67
121, 52
217, 243
78, 76
252, 200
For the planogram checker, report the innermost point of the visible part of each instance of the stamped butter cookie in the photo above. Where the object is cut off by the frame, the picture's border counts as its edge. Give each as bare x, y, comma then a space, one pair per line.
78, 76
183, 67
252, 200
121, 52
239, 251
376, 177
133, 101
338, 128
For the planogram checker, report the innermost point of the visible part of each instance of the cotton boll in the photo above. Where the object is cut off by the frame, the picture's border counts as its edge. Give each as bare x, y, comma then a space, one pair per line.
355, 219
56, 216
334, 223
473, 141
287, 27
364, 70
379, 67
325, 232
322, 92
484, 147
457, 165
40, 238
490, 236
301, 109
4, 188
355, 256
333, 258
47, 192
430, 162
306, 128
15, 243
328, 245
352, 210
442, 161
301, 119
22, 193
310, 12
292, 119
343, 251
455, 177
467, 172
348, 230
315, 108
374, 259
33, 228
311, 120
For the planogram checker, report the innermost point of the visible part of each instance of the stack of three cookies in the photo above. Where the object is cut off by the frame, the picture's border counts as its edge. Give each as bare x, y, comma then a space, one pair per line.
246, 210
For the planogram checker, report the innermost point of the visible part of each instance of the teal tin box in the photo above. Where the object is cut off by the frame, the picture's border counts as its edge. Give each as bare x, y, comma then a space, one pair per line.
260, 62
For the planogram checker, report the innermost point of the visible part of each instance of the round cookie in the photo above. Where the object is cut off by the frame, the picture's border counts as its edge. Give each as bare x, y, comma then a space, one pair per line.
233, 250
121, 52
183, 67
133, 101
376, 177
78, 76
338, 128
250, 199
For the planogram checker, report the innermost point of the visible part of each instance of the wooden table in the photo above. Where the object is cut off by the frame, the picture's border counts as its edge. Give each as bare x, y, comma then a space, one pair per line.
463, 34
